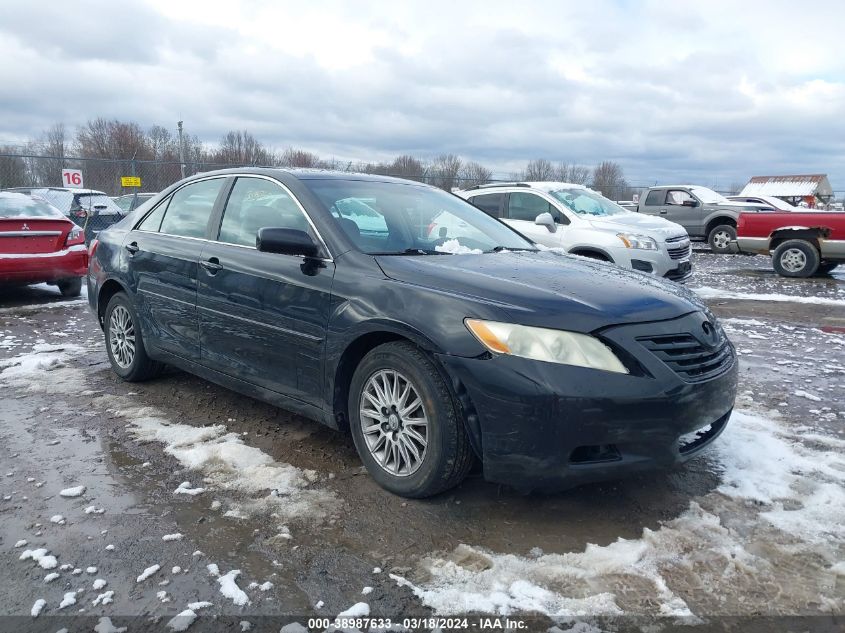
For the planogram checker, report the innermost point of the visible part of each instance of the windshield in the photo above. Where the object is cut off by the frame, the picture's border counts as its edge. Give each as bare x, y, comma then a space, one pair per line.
587, 202
18, 205
708, 196
391, 218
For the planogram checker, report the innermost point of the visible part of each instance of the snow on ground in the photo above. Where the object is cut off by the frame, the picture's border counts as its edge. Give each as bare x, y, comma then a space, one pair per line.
19, 370
799, 490
229, 588
706, 292
228, 464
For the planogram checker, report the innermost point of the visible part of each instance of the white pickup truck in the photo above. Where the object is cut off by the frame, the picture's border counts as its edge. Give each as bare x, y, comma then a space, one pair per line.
583, 222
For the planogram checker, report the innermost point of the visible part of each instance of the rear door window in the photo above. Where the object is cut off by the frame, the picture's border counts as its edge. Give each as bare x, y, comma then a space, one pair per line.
654, 198
190, 208
490, 203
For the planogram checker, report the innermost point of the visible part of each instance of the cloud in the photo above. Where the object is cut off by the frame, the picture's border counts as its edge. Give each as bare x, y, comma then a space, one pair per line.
713, 92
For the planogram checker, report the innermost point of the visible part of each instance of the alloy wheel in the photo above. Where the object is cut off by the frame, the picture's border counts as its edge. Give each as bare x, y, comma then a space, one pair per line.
721, 239
122, 336
793, 260
394, 422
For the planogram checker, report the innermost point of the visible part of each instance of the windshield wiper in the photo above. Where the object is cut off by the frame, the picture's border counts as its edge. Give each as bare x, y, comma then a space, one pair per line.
499, 249
413, 251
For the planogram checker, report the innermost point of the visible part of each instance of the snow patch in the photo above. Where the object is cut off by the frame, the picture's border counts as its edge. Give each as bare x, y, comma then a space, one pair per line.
229, 588
76, 491
41, 556
149, 571
37, 607
454, 247
357, 610
707, 292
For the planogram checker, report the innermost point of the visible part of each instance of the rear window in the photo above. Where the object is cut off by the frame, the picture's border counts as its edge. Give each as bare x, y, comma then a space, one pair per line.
18, 205
89, 201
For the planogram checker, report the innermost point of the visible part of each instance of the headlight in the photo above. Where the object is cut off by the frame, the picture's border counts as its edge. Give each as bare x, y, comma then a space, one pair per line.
552, 346
632, 240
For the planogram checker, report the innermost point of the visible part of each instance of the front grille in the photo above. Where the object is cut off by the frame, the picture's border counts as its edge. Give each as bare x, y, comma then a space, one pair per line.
692, 360
679, 247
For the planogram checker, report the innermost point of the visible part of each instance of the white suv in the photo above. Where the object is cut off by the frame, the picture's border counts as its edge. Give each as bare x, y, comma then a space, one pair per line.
583, 222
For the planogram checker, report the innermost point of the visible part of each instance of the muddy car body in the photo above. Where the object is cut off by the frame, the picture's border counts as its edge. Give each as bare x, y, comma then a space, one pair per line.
551, 369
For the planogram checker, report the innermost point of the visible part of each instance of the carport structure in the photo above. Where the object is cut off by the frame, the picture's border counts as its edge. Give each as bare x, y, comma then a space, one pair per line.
811, 188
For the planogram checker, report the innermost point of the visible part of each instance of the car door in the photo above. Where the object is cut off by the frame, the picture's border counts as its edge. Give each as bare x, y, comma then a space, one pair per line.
521, 212
162, 260
677, 208
263, 316
654, 202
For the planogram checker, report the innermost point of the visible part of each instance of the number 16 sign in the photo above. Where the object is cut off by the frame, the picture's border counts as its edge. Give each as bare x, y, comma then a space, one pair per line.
72, 178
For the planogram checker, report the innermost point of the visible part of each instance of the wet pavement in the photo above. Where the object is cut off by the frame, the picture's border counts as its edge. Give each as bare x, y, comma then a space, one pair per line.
327, 537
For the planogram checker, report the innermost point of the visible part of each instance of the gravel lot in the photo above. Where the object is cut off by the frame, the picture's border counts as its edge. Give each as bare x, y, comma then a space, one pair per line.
755, 527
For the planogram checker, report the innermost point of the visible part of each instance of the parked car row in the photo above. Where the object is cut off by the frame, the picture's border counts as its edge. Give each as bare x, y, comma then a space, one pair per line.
433, 332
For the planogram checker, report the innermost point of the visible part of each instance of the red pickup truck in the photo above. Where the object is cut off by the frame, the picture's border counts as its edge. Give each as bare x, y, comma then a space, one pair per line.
801, 244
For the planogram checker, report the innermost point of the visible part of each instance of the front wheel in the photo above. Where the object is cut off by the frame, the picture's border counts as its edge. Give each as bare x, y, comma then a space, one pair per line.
124, 342
406, 424
796, 258
720, 238
70, 287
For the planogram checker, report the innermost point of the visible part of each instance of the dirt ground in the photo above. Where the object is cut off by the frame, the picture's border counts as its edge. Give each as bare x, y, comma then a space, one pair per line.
67, 421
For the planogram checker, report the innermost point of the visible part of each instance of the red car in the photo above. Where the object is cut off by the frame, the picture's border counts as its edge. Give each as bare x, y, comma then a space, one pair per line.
39, 244
802, 244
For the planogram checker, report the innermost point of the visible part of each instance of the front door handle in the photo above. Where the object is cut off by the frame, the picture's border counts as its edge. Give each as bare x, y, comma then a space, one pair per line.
211, 265
132, 248
664, 212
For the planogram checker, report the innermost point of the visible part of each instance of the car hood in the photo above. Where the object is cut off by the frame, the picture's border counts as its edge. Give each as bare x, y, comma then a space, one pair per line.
547, 289
640, 223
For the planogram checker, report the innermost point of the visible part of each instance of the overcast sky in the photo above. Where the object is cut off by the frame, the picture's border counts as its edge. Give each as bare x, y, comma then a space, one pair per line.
708, 91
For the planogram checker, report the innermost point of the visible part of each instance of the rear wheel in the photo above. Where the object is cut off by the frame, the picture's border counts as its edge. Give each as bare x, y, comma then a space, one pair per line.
124, 342
796, 258
70, 287
720, 238
406, 424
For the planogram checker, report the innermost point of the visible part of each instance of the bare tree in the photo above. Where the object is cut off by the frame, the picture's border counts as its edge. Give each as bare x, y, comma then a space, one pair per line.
239, 147
610, 180
445, 171
539, 170
474, 174
300, 158
407, 166
13, 169
578, 175
100, 138
54, 140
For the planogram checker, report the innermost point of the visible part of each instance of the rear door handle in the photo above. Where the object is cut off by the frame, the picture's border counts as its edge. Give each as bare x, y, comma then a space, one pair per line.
664, 212
211, 265
132, 248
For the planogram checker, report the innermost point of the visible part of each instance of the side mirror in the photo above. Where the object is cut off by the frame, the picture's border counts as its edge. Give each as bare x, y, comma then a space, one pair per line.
690, 203
286, 242
546, 219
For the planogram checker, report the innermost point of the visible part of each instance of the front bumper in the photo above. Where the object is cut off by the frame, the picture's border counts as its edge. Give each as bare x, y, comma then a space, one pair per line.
40, 267
547, 426
658, 263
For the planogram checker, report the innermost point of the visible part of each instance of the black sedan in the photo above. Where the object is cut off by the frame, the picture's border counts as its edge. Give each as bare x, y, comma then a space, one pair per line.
327, 294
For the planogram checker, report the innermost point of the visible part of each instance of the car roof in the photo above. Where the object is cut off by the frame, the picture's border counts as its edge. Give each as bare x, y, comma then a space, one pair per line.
549, 185
37, 188
310, 174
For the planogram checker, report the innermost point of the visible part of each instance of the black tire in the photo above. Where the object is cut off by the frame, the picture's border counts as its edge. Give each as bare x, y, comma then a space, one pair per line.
796, 258
826, 268
141, 367
720, 238
448, 456
70, 287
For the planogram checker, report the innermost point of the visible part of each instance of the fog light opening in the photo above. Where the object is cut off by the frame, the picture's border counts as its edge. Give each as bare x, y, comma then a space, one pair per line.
595, 453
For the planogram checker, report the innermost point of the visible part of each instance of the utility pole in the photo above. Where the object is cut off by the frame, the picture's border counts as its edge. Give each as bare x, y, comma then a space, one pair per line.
181, 149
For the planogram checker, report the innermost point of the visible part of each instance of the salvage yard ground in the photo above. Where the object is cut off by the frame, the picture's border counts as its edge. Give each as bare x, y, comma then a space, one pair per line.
179, 498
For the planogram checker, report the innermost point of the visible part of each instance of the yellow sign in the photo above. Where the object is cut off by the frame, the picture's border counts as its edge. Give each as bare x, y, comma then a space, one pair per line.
130, 181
